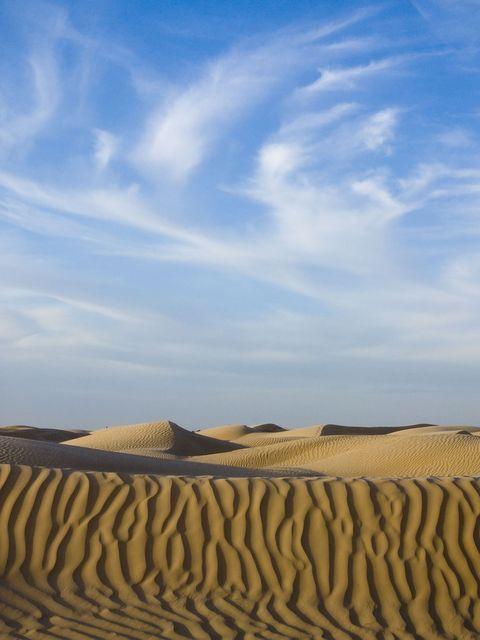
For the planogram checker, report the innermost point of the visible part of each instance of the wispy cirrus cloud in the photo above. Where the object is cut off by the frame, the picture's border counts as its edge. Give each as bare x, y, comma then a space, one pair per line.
345, 78
105, 148
20, 124
188, 124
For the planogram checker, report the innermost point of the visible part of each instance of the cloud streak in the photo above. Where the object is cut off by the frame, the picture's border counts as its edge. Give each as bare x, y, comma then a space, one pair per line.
182, 131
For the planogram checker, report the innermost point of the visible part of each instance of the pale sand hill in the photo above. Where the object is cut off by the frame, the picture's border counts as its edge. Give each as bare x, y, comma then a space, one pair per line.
39, 433
435, 428
249, 439
165, 435
250, 436
236, 431
267, 427
304, 432
263, 439
343, 430
290, 451
51, 454
434, 454
100, 556
242, 553
451, 452
225, 431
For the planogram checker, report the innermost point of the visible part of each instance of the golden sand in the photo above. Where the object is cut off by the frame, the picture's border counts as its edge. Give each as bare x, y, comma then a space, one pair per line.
145, 547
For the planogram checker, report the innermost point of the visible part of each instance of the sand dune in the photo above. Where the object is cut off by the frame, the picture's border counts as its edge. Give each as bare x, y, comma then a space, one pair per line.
265, 439
304, 432
435, 454
255, 436
236, 431
436, 428
165, 435
414, 452
54, 455
267, 427
225, 432
289, 451
39, 433
103, 556
168, 540
343, 430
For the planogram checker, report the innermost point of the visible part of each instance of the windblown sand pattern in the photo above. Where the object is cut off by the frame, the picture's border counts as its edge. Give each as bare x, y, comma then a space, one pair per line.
165, 436
97, 555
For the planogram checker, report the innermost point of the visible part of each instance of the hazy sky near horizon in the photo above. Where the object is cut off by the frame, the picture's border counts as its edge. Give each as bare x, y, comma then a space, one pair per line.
239, 212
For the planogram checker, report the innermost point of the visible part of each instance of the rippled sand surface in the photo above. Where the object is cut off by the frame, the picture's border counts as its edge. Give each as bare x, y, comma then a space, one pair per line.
268, 534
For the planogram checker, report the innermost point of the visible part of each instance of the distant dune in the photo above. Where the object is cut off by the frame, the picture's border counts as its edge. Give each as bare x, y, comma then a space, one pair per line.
36, 433
165, 436
236, 431
153, 531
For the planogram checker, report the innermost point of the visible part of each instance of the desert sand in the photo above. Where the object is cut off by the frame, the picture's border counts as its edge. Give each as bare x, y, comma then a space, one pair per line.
153, 531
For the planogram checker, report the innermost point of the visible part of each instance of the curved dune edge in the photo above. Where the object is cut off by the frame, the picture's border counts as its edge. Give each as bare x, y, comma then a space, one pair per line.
43, 434
20, 451
165, 448
108, 555
165, 435
439, 453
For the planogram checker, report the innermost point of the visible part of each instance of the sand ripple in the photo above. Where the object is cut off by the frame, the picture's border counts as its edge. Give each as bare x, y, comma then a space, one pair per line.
108, 555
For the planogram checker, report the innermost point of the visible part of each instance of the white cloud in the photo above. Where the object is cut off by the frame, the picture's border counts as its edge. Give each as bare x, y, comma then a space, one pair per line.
456, 138
181, 132
462, 275
452, 20
379, 128
105, 148
313, 120
118, 205
386, 207
20, 124
347, 77
278, 159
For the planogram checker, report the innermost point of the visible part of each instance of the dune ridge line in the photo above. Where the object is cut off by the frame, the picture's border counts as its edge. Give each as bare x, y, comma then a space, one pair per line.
138, 555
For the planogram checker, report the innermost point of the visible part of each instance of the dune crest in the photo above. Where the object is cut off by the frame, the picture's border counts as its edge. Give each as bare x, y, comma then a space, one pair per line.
225, 432
42, 434
165, 436
235, 432
53, 455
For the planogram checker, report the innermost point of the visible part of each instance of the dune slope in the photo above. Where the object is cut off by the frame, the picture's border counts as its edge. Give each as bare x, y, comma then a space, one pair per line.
95, 555
237, 431
54, 455
453, 451
165, 436
39, 433
424, 454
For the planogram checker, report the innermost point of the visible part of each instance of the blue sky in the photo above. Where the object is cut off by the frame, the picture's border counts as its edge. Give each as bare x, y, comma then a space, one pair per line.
239, 212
